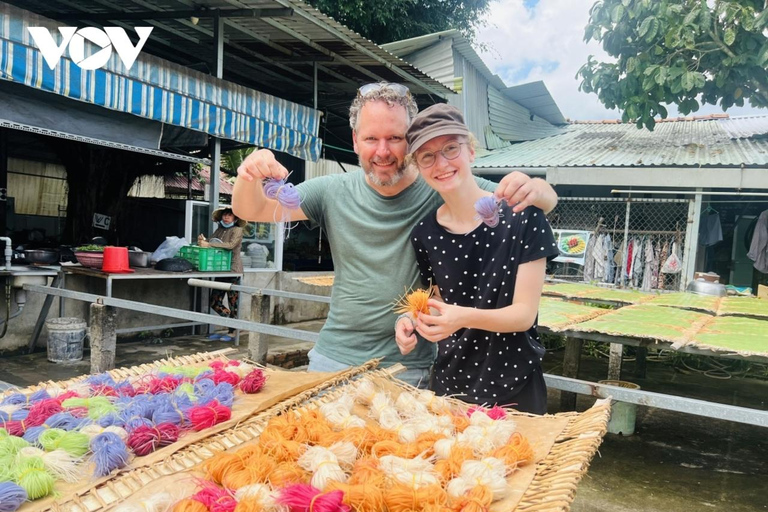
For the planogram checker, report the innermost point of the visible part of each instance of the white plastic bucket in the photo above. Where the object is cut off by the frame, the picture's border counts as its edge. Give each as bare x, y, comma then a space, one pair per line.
65, 339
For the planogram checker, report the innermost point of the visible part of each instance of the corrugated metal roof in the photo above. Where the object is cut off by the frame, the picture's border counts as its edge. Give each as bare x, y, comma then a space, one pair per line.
711, 142
536, 97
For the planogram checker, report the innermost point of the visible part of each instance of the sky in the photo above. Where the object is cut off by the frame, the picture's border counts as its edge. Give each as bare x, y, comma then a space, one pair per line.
534, 40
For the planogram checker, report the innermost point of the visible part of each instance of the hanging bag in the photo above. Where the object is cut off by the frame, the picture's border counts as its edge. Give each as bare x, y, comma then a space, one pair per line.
674, 263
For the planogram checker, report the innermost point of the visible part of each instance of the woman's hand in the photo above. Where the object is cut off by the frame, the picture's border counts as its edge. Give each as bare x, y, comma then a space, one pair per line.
404, 336
448, 320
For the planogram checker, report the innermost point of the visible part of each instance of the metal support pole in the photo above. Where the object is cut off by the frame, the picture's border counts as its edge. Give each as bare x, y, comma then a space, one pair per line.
103, 338
258, 345
215, 142
641, 361
571, 363
692, 241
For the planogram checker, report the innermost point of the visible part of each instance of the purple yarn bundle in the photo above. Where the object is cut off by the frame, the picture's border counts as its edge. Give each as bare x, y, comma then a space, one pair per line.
283, 192
109, 453
12, 497
487, 209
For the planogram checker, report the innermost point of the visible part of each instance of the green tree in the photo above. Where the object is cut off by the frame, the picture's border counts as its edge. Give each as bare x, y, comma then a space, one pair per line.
677, 52
384, 21
231, 160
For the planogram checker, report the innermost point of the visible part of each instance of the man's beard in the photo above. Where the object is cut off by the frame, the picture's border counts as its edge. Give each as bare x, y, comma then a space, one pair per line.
374, 179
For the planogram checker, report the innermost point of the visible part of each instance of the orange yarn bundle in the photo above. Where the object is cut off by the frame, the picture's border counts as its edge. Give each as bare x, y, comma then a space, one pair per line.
450, 467
414, 302
362, 497
362, 437
278, 447
366, 469
220, 466
189, 505
288, 473
478, 499
404, 498
255, 471
249, 505
313, 427
425, 443
517, 451
460, 422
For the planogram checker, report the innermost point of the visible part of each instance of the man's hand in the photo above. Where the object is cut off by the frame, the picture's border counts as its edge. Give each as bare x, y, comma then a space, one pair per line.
448, 320
203, 243
261, 164
404, 336
521, 191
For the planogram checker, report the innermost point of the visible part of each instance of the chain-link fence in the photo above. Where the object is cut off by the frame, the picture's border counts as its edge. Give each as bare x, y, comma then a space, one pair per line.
633, 243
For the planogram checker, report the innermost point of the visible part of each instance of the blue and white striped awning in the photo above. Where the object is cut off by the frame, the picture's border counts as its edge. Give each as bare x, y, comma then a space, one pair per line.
159, 90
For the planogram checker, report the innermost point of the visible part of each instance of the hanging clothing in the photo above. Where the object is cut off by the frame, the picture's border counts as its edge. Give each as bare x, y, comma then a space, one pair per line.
609, 266
710, 230
758, 249
650, 280
589, 261
598, 256
663, 255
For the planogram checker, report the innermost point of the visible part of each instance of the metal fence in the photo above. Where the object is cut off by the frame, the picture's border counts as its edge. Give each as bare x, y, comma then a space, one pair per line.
631, 240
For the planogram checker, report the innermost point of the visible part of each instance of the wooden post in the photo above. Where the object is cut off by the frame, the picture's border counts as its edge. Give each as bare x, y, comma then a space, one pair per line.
640, 362
258, 345
103, 338
571, 363
614, 361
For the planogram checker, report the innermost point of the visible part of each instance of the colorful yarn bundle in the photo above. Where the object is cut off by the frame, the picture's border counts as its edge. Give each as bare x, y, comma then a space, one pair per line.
413, 302
208, 415
282, 192
305, 498
487, 209
109, 453
144, 439
495, 412
12, 497
253, 382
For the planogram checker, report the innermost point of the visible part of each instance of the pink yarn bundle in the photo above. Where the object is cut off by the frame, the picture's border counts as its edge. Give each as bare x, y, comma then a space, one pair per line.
215, 498
145, 439
253, 382
208, 415
305, 498
41, 411
67, 394
221, 375
487, 209
495, 412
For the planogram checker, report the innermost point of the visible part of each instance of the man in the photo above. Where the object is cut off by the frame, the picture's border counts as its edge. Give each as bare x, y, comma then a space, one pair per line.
367, 217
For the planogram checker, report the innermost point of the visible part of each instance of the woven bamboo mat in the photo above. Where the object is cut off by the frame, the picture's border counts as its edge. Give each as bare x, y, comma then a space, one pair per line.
129, 372
587, 291
732, 334
684, 300
552, 485
559, 315
316, 280
743, 306
280, 385
651, 322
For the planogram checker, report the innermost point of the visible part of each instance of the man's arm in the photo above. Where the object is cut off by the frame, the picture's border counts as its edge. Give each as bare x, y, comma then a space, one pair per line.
248, 199
521, 191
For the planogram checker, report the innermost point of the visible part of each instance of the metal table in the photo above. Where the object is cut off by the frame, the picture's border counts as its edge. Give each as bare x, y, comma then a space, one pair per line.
110, 278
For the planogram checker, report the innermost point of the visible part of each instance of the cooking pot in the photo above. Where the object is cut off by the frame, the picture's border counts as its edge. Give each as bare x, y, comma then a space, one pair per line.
41, 256
174, 265
702, 287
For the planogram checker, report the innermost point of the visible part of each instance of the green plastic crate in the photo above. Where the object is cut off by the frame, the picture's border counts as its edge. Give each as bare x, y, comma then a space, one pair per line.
207, 259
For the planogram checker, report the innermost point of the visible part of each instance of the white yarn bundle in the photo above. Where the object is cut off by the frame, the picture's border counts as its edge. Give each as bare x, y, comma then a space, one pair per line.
485, 434
263, 494
381, 402
345, 452
10, 408
93, 430
365, 392
434, 403
489, 472
242, 369
417, 472
58, 462
324, 465
339, 413
409, 407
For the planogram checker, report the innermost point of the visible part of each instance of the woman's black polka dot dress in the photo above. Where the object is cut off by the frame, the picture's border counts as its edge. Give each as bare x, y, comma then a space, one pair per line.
478, 269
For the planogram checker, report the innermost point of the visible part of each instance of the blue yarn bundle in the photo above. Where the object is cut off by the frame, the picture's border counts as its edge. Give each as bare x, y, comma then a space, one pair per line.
222, 392
102, 379
110, 420
12, 497
283, 192
66, 421
38, 395
14, 399
19, 415
487, 209
109, 453
204, 386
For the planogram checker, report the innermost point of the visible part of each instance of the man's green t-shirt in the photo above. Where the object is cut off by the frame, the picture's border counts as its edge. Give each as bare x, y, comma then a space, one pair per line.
374, 264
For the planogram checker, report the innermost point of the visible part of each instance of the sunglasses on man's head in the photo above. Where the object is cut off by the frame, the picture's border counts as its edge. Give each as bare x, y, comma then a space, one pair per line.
398, 89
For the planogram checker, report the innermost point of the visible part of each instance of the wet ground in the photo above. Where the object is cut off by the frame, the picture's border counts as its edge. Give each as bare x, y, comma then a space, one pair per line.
673, 462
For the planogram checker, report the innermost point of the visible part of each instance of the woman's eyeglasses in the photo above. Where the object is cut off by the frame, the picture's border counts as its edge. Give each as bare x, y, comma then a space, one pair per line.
450, 151
398, 89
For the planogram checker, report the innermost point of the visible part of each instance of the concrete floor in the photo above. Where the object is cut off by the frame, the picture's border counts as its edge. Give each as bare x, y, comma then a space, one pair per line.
674, 462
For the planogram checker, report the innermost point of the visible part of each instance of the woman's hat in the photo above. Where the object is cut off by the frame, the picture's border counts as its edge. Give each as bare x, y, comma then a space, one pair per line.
218, 212
435, 121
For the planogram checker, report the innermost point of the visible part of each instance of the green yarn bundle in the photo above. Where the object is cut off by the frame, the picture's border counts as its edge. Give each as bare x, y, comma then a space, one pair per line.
98, 406
183, 371
186, 388
32, 476
74, 443
10, 445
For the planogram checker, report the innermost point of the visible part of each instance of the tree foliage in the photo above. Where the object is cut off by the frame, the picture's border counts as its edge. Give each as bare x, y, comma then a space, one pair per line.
384, 21
679, 52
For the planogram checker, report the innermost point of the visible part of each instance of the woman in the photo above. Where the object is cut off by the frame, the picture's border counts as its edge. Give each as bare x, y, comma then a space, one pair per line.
229, 235
487, 281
